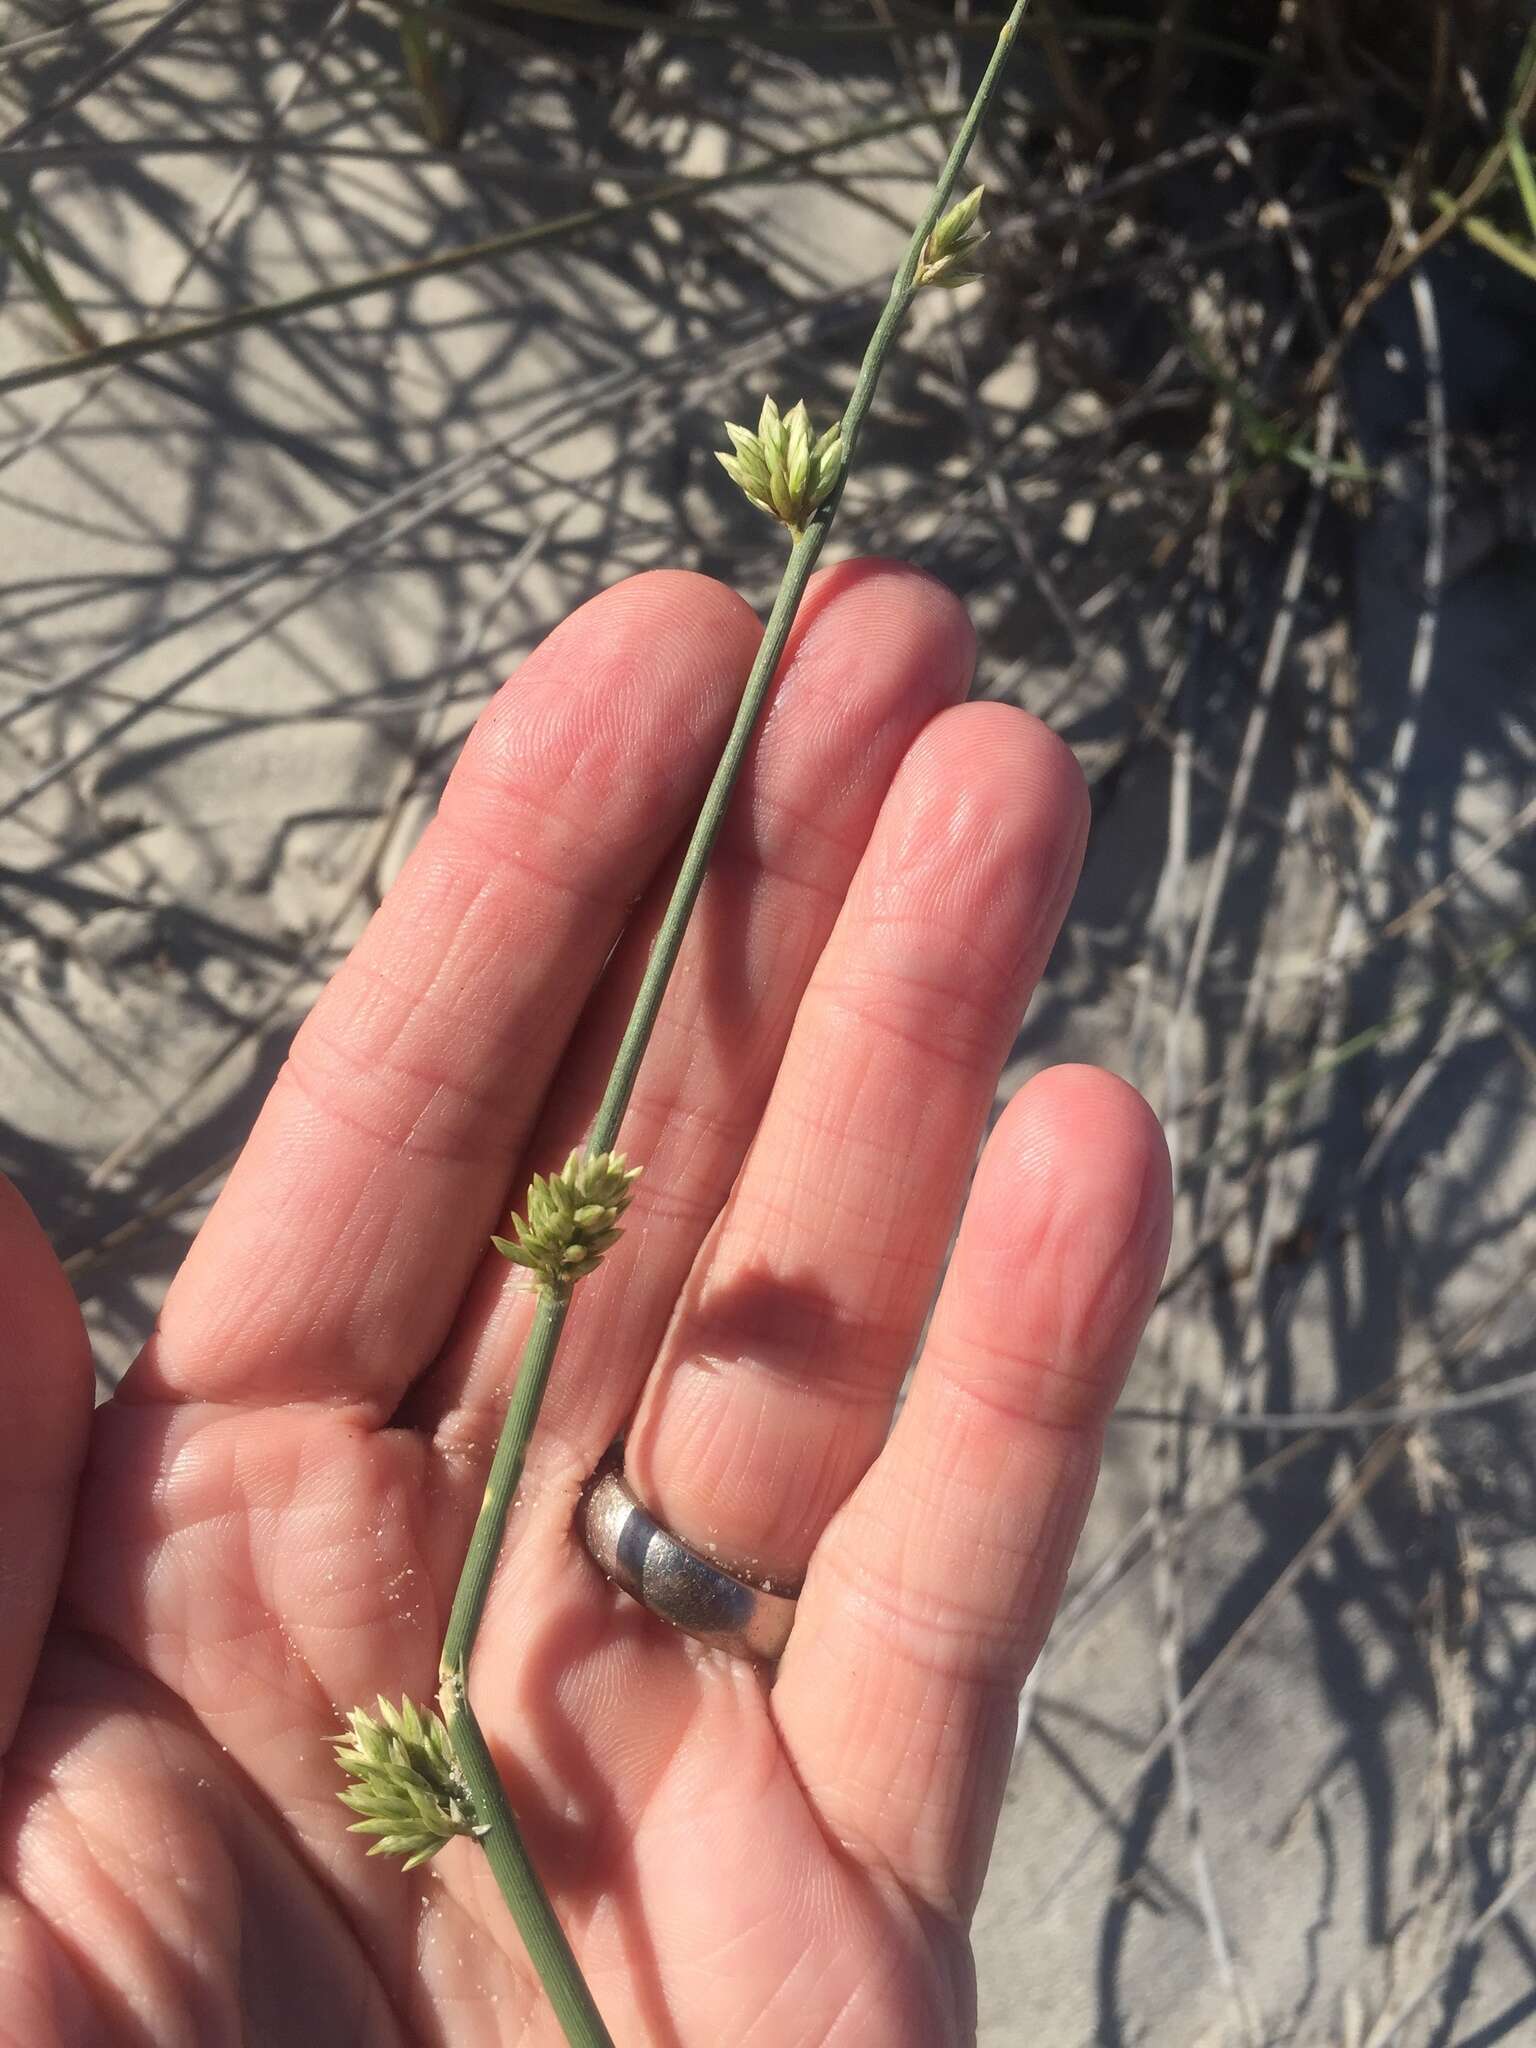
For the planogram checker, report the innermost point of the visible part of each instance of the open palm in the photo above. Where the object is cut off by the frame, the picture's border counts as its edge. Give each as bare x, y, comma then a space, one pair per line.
273, 1509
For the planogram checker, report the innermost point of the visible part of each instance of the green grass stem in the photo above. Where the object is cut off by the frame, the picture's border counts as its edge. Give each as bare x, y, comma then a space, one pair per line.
503, 1845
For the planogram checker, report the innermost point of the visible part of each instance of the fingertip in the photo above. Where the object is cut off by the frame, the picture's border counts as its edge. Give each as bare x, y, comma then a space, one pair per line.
670, 602
1079, 1133
896, 614
651, 624
993, 784
1066, 1234
1023, 749
655, 661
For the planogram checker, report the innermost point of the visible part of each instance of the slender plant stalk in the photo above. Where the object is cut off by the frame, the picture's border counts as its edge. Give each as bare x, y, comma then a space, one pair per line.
1497, 243
1522, 167
424, 69
499, 1834
26, 251
1471, 976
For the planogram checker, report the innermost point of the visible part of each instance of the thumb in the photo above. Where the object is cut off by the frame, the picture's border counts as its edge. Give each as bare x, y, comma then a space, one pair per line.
46, 1392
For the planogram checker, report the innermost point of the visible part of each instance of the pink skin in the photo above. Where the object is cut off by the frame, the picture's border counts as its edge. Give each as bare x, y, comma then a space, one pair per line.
274, 1507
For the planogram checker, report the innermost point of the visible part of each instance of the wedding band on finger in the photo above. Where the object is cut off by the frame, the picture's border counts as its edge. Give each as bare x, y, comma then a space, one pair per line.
677, 1583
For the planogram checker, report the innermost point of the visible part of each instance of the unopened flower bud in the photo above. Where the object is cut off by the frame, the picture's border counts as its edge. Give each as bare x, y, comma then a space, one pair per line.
573, 1218
409, 1788
948, 257
782, 467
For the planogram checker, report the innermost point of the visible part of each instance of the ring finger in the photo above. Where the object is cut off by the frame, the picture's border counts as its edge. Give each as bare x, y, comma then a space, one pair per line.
774, 1385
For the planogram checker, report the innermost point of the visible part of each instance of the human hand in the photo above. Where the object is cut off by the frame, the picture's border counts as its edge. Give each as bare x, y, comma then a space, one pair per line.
276, 1502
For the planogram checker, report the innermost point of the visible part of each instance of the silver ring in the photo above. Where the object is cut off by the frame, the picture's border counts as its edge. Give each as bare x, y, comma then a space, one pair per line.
662, 1573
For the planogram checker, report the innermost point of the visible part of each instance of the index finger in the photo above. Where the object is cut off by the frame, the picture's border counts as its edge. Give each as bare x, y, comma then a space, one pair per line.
333, 1262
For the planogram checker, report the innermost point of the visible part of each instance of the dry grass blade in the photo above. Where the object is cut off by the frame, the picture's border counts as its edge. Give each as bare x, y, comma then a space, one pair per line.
753, 30
1350, 1421
1390, 2029
1372, 1469
1453, 214
25, 249
542, 236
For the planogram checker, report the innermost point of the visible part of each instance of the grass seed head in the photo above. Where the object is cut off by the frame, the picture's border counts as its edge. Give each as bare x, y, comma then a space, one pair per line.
784, 468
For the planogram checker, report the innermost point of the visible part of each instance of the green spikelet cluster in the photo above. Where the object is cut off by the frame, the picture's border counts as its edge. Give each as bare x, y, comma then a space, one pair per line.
573, 1218
409, 1789
949, 254
781, 467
